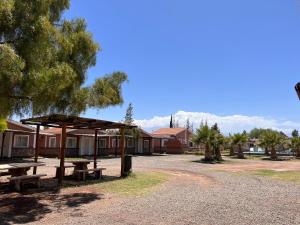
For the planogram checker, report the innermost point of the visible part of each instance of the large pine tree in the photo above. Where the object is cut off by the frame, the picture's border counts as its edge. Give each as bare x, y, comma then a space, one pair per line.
44, 60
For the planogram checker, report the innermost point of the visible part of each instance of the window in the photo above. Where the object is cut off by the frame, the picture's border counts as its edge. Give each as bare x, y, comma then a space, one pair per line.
115, 143
163, 142
130, 143
21, 141
52, 142
102, 143
71, 142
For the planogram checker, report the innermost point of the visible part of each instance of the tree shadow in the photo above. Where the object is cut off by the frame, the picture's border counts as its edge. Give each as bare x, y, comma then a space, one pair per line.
211, 162
70, 182
22, 209
34, 204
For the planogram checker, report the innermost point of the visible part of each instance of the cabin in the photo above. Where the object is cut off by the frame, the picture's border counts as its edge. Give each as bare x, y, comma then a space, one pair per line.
145, 143
172, 140
17, 140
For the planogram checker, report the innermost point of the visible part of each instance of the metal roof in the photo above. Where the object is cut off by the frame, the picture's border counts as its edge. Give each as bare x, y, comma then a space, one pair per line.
74, 122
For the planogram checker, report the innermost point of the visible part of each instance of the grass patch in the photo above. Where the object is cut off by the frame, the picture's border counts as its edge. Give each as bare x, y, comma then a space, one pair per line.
136, 184
293, 176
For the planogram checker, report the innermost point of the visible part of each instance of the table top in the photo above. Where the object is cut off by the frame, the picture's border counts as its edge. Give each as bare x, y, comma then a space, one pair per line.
10, 166
79, 161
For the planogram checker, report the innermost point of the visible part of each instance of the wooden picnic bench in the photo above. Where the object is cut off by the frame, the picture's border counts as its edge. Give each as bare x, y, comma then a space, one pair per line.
18, 181
58, 169
82, 173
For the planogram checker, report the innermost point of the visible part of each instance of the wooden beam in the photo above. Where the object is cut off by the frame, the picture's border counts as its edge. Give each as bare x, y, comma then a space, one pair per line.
62, 155
95, 149
37, 149
122, 131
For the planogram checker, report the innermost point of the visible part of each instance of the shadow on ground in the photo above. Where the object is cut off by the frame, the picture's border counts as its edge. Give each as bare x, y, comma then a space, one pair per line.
211, 162
34, 204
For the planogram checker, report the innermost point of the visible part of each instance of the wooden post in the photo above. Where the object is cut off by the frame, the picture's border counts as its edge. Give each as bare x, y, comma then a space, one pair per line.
122, 131
2, 144
95, 149
36, 152
160, 141
62, 155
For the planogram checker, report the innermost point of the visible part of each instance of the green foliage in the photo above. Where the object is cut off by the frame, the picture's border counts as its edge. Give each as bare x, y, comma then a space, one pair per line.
295, 133
44, 61
295, 144
257, 132
239, 139
204, 135
271, 140
172, 122
212, 140
129, 115
3, 125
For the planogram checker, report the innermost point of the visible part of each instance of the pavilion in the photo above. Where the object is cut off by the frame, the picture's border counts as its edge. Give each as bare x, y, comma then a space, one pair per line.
74, 122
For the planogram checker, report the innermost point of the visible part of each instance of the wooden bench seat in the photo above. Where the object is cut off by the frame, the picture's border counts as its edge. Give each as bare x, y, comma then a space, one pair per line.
97, 173
20, 180
4, 174
58, 169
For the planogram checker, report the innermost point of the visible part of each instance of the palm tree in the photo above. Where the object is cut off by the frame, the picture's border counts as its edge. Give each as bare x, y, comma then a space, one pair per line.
271, 140
228, 141
205, 135
264, 145
217, 144
240, 139
296, 145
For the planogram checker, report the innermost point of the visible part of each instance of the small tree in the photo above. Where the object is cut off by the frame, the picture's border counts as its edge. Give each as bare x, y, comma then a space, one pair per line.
171, 122
188, 124
129, 115
296, 145
295, 133
205, 135
135, 133
272, 139
218, 142
239, 140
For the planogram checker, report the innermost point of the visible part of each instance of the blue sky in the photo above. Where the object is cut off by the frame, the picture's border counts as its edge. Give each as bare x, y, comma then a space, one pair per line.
219, 57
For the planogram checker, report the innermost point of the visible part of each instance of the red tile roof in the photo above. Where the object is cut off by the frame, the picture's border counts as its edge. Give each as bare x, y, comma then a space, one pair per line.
168, 131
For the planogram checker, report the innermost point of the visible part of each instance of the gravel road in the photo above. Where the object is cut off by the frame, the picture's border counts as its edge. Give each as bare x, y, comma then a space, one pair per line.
196, 194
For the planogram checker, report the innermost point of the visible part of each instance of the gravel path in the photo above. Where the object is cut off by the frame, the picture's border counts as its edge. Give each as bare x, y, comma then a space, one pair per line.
196, 194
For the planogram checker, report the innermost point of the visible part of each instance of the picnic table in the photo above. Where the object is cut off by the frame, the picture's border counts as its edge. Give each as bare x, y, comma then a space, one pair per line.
81, 164
18, 173
81, 168
19, 169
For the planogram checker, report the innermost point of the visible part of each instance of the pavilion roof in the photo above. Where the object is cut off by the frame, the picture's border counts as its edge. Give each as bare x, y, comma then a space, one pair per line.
74, 122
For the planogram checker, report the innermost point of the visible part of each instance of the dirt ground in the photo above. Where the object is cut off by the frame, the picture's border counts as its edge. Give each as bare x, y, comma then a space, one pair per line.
196, 193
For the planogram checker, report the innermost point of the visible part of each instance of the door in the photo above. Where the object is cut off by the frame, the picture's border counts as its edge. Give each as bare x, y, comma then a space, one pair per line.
146, 146
87, 146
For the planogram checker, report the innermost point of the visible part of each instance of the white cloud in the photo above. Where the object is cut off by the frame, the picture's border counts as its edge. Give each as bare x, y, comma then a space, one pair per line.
227, 124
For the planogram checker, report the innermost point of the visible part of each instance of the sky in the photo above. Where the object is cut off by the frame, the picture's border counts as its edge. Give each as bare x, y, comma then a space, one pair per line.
233, 62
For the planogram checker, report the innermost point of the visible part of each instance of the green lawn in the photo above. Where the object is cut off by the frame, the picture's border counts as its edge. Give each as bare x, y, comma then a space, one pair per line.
293, 176
136, 184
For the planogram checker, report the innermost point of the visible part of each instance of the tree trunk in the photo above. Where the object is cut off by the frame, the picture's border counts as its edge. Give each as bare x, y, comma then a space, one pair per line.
273, 154
231, 153
240, 153
298, 153
208, 155
267, 151
218, 155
